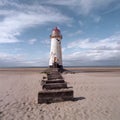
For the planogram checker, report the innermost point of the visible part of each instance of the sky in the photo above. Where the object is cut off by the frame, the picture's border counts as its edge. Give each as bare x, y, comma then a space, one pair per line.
90, 30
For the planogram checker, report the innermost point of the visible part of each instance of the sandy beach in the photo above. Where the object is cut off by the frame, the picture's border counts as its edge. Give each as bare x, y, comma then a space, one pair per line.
96, 95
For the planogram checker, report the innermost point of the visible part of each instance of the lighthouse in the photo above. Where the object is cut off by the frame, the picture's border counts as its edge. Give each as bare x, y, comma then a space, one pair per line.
55, 60
54, 87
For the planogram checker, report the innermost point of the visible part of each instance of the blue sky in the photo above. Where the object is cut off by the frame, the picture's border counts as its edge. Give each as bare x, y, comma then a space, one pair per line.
90, 29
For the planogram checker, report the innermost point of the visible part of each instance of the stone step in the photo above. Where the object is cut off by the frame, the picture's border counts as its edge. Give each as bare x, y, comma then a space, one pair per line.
54, 77
52, 81
50, 96
50, 86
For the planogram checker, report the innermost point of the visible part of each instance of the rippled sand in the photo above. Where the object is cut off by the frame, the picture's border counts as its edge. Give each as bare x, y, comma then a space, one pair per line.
97, 96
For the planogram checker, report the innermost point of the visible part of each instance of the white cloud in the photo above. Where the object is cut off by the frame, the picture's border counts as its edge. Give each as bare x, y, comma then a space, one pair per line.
32, 41
76, 33
80, 23
93, 58
113, 8
7, 60
22, 17
46, 42
83, 6
91, 52
96, 18
11, 60
84, 53
3, 2
109, 43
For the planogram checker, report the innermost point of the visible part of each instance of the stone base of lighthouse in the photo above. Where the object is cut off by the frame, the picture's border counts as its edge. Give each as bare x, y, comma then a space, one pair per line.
57, 66
54, 88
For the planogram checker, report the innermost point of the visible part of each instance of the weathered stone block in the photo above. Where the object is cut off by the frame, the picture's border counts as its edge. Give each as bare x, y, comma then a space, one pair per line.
52, 81
55, 95
50, 86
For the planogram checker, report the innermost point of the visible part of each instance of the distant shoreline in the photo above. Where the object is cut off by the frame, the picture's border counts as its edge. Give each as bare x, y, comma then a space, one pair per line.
63, 66
74, 69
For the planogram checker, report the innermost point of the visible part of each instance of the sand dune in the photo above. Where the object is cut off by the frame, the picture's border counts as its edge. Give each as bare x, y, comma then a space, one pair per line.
97, 97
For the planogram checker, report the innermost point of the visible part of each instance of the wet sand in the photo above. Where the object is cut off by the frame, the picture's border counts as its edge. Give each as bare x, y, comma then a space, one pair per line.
96, 95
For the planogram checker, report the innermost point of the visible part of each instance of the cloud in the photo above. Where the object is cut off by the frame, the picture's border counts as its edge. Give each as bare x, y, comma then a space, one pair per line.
32, 41
117, 7
7, 60
83, 6
18, 18
11, 60
93, 58
96, 18
110, 43
80, 23
91, 52
83, 52
46, 42
3, 2
76, 33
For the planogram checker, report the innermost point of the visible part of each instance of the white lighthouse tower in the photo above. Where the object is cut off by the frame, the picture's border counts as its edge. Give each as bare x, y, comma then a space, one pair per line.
55, 50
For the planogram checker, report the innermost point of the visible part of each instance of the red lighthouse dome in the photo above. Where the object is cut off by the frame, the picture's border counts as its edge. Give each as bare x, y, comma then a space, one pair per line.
56, 33
56, 30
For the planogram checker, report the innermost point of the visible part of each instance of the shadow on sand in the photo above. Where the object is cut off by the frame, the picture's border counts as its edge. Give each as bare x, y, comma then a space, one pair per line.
78, 98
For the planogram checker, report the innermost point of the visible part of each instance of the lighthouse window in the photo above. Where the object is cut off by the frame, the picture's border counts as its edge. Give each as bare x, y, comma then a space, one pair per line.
58, 40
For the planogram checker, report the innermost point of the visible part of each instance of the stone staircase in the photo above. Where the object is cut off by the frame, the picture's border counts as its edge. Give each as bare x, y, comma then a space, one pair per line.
54, 88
